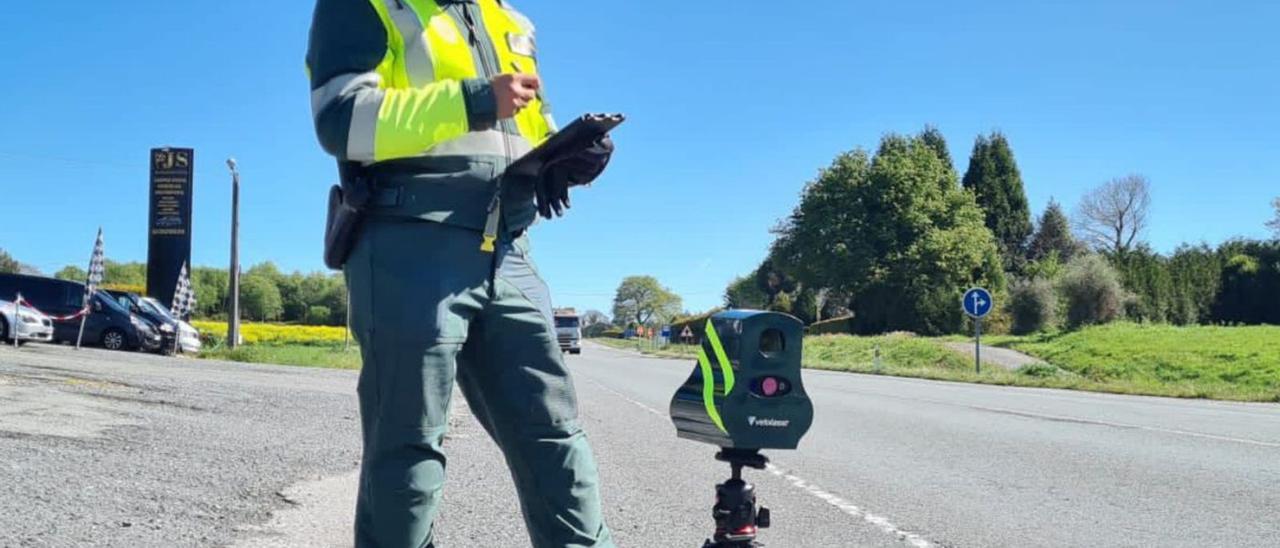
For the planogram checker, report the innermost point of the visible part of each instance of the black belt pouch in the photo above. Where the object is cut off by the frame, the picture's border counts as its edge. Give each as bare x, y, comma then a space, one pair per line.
348, 205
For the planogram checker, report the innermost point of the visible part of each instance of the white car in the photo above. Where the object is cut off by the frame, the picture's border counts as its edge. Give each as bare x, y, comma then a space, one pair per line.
188, 337
30, 325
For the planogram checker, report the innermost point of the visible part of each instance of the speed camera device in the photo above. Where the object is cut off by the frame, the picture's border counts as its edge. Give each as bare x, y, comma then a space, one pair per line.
746, 391
745, 395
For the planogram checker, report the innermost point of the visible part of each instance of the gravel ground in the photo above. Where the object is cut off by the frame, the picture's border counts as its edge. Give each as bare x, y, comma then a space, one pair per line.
113, 449
104, 448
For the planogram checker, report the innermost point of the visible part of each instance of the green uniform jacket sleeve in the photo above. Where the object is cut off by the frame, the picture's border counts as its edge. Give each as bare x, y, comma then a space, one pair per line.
358, 115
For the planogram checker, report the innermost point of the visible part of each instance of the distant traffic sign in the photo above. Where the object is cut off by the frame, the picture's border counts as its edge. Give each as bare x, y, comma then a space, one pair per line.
687, 333
978, 302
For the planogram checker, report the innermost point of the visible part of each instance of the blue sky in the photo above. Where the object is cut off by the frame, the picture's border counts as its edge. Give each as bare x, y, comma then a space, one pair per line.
733, 106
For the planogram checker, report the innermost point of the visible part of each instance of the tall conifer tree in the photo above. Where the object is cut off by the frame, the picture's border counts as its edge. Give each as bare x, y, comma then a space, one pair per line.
995, 181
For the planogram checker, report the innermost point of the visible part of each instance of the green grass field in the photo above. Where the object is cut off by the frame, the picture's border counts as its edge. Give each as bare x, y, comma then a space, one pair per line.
331, 356
1228, 363
1238, 363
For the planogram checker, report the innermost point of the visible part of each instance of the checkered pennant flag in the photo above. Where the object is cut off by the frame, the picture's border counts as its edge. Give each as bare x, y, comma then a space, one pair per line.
184, 295
97, 269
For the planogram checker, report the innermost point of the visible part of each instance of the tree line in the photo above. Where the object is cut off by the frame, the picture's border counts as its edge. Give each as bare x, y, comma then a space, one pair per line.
266, 293
888, 240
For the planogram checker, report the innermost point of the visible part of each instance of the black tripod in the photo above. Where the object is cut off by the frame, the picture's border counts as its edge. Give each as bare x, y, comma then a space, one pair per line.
738, 519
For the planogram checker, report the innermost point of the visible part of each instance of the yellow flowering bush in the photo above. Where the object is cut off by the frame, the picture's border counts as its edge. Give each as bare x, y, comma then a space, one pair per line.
271, 333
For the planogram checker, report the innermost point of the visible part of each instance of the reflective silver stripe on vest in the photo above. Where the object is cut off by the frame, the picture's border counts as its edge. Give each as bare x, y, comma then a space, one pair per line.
361, 137
481, 143
342, 84
417, 58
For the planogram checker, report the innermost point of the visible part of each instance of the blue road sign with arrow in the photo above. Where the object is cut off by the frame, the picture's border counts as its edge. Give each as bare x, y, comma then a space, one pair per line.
978, 302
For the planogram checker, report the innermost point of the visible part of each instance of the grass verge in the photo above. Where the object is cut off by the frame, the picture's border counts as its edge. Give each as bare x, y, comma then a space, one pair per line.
651, 349
303, 355
1230, 363
1225, 363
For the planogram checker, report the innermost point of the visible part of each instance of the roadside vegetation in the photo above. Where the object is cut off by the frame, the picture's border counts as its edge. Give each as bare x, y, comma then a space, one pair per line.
325, 356
215, 333
1234, 363
300, 345
651, 348
1227, 363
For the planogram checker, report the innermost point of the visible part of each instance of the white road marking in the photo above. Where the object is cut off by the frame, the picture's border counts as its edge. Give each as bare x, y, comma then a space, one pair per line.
845, 506
851, 509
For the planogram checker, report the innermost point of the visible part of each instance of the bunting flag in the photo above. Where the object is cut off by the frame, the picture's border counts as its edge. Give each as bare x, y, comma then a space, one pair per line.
97, 268
184, 295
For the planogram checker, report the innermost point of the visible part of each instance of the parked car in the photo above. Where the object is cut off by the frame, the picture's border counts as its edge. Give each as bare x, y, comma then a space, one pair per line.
107, 324
156, 313
28, 325
188, 335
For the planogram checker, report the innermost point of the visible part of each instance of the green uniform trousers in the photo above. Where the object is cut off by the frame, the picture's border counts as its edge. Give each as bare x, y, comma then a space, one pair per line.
429, 307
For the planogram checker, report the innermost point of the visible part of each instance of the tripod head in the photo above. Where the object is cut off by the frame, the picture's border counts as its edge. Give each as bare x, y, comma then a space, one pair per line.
738, 517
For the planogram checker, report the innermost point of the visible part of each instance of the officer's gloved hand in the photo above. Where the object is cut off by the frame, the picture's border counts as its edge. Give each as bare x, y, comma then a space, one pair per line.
579, 169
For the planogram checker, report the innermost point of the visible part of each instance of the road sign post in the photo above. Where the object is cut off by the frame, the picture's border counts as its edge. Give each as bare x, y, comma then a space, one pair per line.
977, 304
977, 345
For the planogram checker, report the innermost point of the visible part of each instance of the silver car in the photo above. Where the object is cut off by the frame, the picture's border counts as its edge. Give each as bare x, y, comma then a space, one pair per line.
29, 325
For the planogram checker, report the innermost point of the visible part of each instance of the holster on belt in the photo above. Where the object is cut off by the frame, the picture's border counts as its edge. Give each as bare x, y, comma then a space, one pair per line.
348, 206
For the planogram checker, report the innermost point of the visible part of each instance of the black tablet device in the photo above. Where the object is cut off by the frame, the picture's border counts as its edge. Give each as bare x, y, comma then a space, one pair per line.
579, 134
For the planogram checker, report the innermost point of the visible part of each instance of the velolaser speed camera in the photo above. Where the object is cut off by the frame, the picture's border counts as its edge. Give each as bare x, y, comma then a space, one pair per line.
746, 391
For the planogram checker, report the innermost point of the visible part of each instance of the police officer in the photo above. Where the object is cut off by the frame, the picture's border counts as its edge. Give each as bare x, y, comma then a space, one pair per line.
435, 98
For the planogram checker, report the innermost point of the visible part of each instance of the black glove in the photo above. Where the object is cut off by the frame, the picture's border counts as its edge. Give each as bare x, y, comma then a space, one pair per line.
557, 177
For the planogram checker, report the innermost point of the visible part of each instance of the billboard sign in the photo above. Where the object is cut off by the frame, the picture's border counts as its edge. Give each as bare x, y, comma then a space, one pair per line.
169, 224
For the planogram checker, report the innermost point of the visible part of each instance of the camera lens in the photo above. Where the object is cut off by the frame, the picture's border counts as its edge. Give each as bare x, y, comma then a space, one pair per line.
772, 343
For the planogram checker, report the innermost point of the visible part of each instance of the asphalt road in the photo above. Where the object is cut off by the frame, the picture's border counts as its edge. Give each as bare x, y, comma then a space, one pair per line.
207, 454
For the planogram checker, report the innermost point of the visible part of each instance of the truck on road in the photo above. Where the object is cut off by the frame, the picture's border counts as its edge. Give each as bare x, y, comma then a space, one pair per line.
569, 330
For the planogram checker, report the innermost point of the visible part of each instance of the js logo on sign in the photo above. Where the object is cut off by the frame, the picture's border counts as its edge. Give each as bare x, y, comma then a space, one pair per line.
169, 159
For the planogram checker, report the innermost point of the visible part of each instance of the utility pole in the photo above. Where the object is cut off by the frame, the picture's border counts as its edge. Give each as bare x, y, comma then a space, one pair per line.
233, 318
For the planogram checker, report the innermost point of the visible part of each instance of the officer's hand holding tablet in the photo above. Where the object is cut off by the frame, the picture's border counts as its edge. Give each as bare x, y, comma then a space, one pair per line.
573, 156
